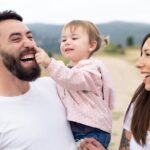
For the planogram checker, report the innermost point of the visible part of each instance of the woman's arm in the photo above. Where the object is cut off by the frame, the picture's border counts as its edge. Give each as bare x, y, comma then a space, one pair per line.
125, 140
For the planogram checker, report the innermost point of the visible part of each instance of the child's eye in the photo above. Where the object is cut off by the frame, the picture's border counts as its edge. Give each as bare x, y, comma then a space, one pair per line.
74, 38
63, 40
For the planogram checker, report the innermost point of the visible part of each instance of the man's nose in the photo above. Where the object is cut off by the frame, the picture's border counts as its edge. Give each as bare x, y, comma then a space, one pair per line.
28, 43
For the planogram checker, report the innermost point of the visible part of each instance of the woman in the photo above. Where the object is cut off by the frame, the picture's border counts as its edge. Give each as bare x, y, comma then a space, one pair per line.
136, 129
136, 132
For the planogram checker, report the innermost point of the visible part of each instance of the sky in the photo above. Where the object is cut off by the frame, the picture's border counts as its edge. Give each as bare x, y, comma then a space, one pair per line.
63, 11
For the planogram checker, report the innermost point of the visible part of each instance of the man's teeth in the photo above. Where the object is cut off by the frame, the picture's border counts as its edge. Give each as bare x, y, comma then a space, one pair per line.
27, 57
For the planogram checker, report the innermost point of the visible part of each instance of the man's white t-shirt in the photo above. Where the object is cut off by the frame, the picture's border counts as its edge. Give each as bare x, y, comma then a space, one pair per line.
133, 144
35, 120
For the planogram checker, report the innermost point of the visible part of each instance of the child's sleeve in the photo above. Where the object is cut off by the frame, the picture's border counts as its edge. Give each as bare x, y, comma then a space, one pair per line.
84, 76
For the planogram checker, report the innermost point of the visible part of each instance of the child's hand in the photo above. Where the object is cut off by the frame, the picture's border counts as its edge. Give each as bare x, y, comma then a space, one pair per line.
42, 57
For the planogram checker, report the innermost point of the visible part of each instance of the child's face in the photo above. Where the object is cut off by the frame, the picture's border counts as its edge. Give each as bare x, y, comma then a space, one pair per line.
75, 44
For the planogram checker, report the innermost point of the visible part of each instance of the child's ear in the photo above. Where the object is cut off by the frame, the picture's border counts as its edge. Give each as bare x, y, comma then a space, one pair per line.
93, 46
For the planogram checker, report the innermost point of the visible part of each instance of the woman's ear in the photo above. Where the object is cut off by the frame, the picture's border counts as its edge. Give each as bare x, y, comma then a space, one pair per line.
93, 45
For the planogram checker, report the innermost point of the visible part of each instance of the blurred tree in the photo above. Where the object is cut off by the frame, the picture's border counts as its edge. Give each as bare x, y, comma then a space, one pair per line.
130, 41
50, 54
111, 49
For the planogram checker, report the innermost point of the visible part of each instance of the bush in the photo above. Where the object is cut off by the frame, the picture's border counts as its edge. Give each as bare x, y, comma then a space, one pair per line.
114, 49
59, 57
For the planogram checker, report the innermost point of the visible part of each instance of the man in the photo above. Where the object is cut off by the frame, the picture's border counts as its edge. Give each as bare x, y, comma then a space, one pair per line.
31, 114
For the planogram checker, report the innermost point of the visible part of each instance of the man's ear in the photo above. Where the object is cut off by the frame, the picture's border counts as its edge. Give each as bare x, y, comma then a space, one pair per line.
93, 45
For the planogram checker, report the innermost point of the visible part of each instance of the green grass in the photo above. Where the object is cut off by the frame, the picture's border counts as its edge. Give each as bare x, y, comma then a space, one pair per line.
117, 115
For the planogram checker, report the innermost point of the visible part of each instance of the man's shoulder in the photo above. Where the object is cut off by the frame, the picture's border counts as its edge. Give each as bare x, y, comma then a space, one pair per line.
45, 86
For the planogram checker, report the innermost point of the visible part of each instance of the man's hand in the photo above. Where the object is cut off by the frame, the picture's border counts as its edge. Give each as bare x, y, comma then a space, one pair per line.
91, 144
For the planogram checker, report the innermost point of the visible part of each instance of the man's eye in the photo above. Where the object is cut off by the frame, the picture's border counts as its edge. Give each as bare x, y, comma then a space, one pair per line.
30, 37
15, 39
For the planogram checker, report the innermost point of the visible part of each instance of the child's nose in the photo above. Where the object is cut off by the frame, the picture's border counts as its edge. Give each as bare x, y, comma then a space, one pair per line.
68, 41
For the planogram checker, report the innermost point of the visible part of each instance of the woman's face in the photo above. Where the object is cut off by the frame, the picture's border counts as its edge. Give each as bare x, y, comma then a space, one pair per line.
143, 64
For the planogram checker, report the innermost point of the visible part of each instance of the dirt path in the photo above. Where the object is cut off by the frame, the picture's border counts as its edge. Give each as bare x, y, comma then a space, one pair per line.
126, 79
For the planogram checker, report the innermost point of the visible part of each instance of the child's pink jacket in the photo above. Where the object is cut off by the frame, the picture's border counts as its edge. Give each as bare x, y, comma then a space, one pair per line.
86, 92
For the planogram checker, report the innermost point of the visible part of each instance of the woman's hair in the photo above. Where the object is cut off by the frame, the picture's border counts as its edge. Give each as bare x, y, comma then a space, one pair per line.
141, 114
91, 30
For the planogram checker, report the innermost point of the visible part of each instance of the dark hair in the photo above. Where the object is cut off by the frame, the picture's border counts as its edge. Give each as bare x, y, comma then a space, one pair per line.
10, 14
144, 40
141, 114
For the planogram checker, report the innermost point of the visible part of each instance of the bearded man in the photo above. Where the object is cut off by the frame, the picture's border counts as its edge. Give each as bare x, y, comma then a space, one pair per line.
31, 114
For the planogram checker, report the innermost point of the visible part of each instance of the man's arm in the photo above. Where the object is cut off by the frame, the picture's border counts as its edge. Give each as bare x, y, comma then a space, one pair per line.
125, 140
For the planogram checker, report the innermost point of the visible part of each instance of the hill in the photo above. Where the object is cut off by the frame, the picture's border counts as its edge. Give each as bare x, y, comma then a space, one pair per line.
119, 31
48, 35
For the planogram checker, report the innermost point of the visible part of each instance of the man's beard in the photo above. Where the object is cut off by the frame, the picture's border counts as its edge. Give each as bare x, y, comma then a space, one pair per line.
14, 65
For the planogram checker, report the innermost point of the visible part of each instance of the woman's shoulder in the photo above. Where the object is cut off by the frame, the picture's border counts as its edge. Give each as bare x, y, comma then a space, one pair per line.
128, 117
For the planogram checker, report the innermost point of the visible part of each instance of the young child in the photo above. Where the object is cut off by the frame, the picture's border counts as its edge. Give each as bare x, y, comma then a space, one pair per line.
84, 85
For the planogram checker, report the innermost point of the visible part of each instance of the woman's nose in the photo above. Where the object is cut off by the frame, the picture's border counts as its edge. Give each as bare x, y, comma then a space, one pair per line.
140, 62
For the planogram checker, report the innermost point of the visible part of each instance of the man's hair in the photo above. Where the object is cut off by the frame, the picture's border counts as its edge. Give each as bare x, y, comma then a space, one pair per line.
10, 14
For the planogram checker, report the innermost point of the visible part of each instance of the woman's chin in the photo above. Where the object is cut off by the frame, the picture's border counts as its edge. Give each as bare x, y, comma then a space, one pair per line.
147, 87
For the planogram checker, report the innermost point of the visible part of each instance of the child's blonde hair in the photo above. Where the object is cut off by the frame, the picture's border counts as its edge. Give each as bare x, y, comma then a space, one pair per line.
91, 29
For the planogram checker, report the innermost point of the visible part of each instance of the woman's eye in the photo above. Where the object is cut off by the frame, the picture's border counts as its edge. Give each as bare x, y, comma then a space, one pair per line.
147, 54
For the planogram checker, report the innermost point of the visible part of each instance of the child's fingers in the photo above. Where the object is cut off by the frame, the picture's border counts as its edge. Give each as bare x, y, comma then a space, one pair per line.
38, 49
